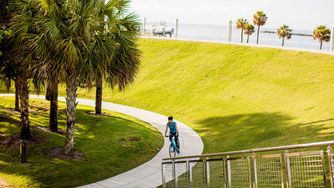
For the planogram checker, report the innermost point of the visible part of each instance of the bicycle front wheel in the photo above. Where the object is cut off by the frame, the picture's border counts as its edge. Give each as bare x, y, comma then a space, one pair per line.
172, 151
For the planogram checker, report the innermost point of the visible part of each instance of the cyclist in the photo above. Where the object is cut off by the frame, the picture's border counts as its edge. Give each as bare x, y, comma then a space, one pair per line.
173, 131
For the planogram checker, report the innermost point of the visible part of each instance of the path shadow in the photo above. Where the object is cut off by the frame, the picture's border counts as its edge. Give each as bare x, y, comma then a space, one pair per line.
245, 131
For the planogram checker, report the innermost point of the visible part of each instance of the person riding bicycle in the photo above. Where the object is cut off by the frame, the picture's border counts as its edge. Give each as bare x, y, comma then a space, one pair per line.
173, 131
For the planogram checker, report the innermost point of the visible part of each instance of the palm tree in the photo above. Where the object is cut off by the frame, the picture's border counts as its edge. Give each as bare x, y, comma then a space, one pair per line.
321, 33
240, 24
60, 34
8, 72
15, 65
123, 28
66, 37
22, 63
249, 30
284, 32
259, 19
7, 68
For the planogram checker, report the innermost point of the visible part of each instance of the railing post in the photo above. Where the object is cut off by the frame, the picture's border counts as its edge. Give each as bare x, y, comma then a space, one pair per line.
323, 167
282, 171
249, 172
288, 172
163, 176
189, 175
204, 172
329, 152
225, 176
174, 174
228, 173
207, 169
255, 170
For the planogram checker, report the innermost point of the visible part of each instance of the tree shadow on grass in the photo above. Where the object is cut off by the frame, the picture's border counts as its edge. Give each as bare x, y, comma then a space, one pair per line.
245, 131
103, 144
12, 126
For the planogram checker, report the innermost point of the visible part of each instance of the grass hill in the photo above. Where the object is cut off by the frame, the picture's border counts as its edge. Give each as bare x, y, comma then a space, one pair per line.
235, 97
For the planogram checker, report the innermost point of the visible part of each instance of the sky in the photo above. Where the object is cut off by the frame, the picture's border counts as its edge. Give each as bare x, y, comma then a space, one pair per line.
297, 14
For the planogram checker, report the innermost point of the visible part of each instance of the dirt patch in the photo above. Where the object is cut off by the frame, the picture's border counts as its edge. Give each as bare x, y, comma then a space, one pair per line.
131, 138
134, 138
46, 129
58, 152
15, 139
93, 113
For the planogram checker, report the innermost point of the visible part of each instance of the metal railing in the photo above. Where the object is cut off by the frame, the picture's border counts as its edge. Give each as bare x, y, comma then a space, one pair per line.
254, 168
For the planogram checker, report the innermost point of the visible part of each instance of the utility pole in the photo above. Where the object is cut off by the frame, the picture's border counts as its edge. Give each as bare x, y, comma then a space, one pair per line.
229, 32
177, 28
144, 26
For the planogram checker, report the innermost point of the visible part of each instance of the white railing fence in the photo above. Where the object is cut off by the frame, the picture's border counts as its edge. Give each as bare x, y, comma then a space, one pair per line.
283, 166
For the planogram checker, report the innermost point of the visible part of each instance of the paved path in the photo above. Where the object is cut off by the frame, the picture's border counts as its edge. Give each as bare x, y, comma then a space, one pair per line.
149, 173
247, 44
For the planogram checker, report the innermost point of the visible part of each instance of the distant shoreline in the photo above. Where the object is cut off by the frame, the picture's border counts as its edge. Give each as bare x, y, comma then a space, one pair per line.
298, 34
245, 44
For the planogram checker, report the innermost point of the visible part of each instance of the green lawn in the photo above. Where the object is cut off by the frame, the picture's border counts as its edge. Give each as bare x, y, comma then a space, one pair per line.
235, 97
111, 145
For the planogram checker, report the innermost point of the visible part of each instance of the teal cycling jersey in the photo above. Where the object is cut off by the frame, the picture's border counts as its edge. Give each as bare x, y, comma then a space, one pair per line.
172, 127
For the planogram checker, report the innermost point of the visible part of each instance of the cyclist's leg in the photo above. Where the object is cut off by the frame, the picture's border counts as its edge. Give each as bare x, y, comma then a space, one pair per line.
170, 137
177, 141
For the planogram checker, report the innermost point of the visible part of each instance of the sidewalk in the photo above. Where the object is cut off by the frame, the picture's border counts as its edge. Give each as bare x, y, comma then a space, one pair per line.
246, 44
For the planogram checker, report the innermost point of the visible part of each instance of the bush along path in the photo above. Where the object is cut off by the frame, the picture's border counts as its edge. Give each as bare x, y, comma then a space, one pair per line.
149, 173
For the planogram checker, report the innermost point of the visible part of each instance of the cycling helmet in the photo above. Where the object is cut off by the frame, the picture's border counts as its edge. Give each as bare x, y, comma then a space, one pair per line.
170, 118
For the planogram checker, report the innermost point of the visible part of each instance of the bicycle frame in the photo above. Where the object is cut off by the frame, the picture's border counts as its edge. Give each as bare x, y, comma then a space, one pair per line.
173, 144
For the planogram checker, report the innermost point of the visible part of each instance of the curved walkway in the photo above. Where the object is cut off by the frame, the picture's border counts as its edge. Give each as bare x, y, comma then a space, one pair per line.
328, 52
149, 173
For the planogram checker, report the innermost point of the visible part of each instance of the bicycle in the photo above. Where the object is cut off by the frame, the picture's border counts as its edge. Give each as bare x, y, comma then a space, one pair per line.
173, 150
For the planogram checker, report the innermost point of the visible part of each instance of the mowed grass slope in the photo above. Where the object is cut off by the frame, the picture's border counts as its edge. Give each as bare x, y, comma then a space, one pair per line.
111, 145
235, 97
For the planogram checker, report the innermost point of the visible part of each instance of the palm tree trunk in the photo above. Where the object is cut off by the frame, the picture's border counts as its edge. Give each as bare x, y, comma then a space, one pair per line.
48, 91
71, 104
17, 95
258, 34
53, 96
98, 96
242, 34
283, 41
247, 38
320, 44
24, 98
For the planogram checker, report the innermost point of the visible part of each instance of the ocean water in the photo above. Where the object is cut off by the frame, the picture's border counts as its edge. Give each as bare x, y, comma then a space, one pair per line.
219, 33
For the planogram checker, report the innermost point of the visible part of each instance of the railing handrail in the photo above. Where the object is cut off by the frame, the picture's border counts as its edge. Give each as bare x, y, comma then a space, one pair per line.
297, 146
